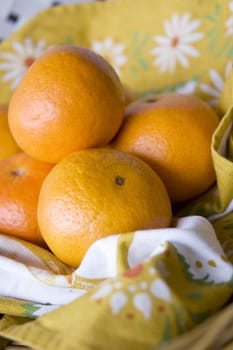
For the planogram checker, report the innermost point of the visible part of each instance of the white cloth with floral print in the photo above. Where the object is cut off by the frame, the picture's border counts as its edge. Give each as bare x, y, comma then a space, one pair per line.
49, 284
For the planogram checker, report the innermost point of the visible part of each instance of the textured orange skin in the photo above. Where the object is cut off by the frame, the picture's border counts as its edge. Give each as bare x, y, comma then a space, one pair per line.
20, 181
95, 193
172, 133
8, 145
69, 99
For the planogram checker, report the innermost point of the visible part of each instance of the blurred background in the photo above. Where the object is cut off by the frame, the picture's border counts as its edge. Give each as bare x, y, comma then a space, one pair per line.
14, 13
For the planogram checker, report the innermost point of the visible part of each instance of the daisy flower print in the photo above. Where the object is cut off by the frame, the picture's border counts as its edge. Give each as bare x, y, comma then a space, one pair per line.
229, 21
175, 47
15, 64
214, 89
111, 51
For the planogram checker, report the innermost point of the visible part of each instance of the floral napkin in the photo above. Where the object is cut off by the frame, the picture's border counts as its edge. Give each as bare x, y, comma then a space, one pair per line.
134, 290
154, 45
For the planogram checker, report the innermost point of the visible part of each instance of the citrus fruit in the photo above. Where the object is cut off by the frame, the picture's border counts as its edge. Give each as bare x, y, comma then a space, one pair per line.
8, 145
94, 193
69, 99
172, 133
20, 181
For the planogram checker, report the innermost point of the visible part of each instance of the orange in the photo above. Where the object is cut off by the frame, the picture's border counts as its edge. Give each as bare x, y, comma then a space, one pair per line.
94, 193
20, 182
172, 133
8, 145
69, 99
